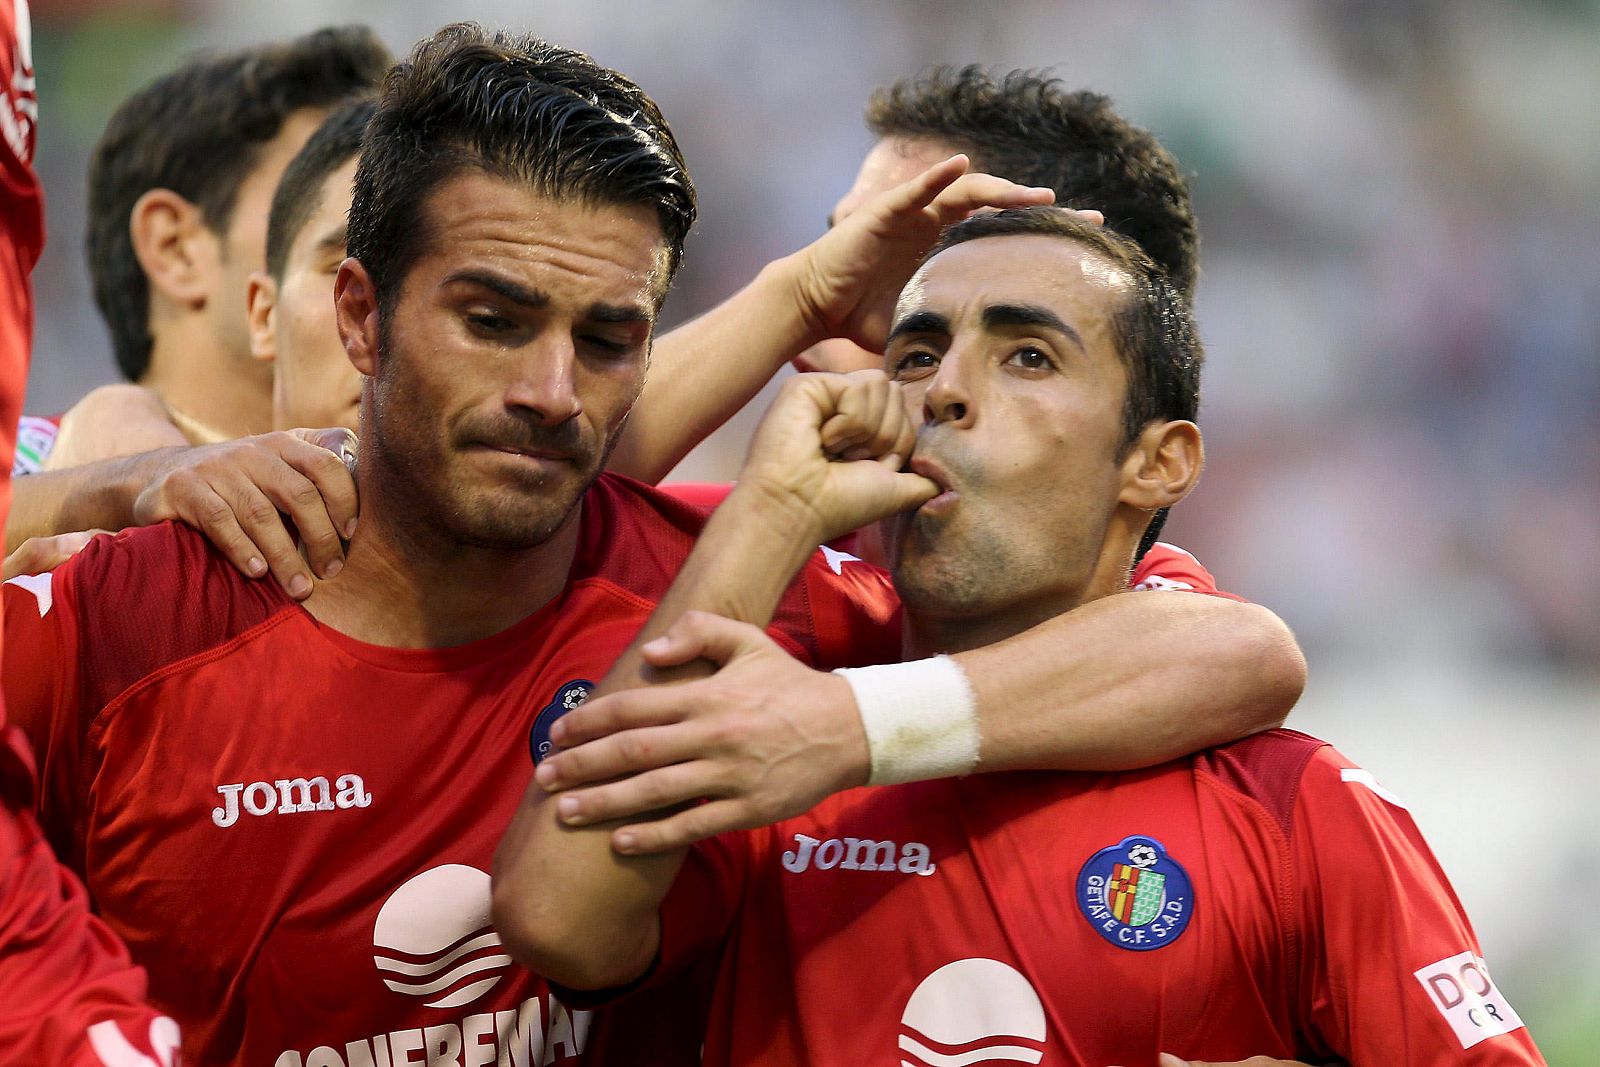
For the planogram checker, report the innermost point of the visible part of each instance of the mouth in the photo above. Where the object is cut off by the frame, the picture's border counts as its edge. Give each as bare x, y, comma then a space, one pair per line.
544, 460
936, 474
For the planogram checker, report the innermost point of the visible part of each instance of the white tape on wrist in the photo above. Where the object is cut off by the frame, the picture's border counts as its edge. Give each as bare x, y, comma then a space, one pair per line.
921, 719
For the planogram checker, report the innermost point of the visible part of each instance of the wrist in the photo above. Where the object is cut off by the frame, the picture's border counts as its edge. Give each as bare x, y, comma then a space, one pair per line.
920, 719
774, 515
792, 285
855, 758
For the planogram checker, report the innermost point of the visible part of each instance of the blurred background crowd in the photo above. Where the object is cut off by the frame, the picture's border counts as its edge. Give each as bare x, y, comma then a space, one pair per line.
1399, 294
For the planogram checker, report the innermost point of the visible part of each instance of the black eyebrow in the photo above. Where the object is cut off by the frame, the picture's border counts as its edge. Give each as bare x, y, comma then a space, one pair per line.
513, 292
920, 322
334, 239
999, 316
619, 314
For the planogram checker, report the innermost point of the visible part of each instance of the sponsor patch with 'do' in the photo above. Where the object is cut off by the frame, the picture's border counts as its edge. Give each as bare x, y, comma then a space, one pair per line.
1460, 987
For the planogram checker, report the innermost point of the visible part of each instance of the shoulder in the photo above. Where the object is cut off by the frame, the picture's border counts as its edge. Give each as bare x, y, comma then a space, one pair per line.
113, 420
1168, 567
635, 535
1267, 768
150, 597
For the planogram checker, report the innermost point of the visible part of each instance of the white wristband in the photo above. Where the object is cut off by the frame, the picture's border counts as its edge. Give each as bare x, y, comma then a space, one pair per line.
921, 719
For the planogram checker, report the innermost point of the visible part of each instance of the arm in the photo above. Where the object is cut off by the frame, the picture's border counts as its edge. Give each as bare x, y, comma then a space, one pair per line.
568, 906
1126, 681
233, 492
842, 285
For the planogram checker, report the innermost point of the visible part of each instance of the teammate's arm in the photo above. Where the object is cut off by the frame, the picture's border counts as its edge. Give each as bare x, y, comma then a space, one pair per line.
842, 285
234, 492
1125, 681
566, 905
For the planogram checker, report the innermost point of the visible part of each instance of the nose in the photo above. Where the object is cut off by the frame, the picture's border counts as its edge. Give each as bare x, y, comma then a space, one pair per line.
949, 398
546, 386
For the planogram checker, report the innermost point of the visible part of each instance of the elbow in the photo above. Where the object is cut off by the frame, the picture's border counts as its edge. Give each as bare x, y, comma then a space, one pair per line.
1278, 665
566, 946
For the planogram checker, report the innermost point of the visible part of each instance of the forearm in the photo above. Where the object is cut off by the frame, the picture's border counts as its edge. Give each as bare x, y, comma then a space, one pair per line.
567, 905
1132, 680
97, 495
704, 371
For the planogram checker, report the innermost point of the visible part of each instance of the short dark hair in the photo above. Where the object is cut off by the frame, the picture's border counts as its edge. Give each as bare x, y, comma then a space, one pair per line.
519, 108
199, 131
1023, 126
299, 193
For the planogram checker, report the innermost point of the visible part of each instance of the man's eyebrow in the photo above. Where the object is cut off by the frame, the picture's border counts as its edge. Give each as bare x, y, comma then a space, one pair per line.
998, 316
506, 288
920, 322
619, 313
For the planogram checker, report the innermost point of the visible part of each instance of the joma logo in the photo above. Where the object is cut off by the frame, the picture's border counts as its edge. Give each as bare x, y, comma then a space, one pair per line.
286, 796
858, 854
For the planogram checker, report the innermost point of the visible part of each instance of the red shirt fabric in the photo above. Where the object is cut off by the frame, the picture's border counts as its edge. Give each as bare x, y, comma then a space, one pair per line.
293, 830
1262, 898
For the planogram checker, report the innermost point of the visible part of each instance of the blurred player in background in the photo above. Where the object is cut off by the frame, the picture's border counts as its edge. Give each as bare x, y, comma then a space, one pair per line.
1266, 896
178, 191
69, 995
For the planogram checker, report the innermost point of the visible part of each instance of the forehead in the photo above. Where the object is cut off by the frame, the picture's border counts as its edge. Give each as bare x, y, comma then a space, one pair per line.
1057, 273
892, 161
478, 217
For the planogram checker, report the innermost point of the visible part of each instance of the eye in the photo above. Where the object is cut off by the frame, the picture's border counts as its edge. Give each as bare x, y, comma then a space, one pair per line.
1030, 358
606, 345
915, 362
488, 324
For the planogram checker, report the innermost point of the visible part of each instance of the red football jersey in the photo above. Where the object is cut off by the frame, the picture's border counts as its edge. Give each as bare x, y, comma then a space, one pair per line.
293, 830
1263, 898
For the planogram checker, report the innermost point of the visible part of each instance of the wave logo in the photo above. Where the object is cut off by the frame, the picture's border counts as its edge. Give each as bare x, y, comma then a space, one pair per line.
434, 939
972, 1011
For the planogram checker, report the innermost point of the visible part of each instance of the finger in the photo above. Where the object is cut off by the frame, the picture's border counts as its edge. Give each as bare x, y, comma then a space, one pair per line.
702, 635
334, 474
908, 490
921, 191
290, 478
213, 516
257, 516
628, 752
637, 796
1169, 1060
975, 191
683, 829
1090, 215
615, 712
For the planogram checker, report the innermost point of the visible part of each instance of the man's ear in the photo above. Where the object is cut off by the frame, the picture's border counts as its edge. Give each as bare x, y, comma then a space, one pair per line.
355, 304
174, 247
1162, 465
261, 312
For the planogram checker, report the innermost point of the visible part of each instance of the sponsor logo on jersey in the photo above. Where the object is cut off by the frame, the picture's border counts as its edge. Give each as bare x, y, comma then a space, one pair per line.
433, 938
858, 854
112, 1047
972, 1011
1135, 895
1460, 987
568, 696
289, 796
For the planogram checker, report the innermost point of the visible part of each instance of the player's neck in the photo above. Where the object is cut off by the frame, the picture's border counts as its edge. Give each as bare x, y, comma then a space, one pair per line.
929, 633
229, 397
406, 587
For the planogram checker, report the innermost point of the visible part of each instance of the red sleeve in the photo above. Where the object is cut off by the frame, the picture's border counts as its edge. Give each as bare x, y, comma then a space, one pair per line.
854, 614
40, 682
701, 494
73, 996
1167, 567
1391, 971
703, 903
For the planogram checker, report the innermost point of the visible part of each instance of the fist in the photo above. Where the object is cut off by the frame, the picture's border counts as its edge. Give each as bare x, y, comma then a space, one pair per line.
830, 449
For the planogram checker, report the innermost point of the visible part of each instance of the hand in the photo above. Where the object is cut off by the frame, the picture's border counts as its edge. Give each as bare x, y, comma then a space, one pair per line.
234, 492
829, 451
848, 280
37, 555
764, 739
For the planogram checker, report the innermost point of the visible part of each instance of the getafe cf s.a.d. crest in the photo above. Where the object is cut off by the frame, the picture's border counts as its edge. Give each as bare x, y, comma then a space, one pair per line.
567, 697
1135, 895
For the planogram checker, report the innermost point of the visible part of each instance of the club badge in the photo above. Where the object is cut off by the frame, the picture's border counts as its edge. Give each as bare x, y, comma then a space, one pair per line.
1135, 895
567, 697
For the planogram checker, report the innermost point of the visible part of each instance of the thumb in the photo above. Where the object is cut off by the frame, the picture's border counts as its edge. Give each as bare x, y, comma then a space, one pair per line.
907, 490
702, 635
339, 440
